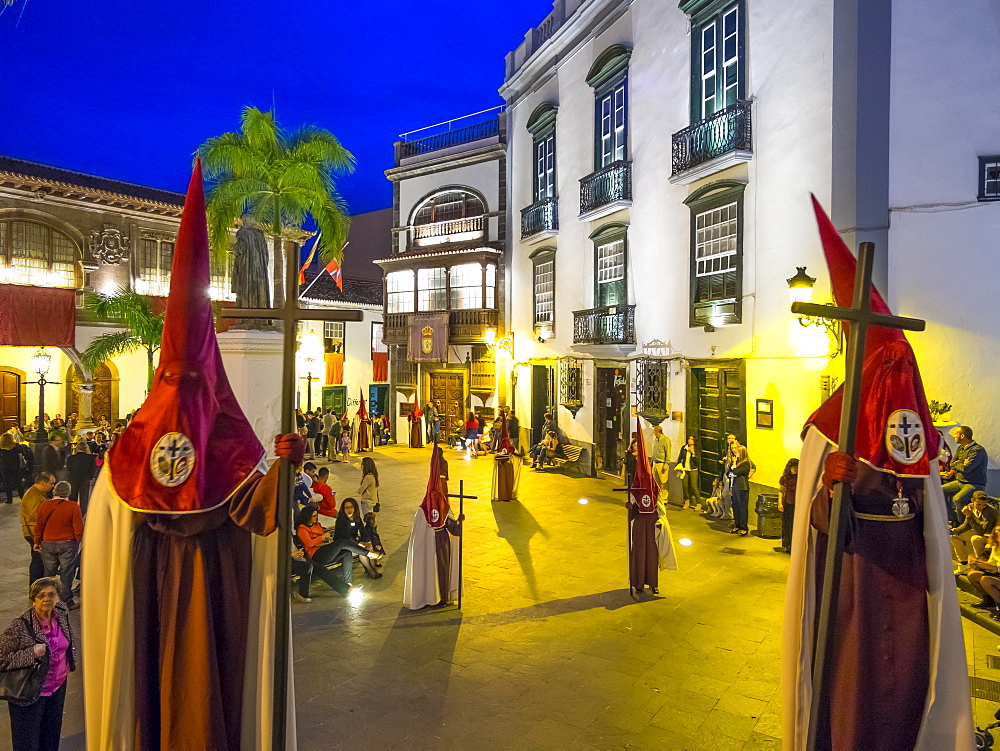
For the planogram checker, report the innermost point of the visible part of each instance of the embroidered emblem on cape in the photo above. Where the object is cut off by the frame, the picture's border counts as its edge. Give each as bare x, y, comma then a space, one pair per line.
646, 501
904, 436
435, 516
172, 459
427, 340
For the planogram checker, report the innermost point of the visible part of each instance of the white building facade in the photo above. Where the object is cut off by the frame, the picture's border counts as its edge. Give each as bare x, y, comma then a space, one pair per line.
660, 163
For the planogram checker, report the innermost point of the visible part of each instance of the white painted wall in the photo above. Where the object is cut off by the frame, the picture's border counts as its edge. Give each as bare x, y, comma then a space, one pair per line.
942, 242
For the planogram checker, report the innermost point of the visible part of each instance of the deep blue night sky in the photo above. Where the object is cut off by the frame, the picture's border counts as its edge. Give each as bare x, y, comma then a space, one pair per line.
129, 88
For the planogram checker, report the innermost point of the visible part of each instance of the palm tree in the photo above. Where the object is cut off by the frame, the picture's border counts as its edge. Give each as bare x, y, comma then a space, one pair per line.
143, 329
280, 179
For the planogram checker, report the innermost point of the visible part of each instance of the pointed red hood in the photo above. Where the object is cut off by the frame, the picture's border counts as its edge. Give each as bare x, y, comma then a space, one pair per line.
435, 504
416, 407
362, 412
504, 446
190, 445
896, 432
644, 491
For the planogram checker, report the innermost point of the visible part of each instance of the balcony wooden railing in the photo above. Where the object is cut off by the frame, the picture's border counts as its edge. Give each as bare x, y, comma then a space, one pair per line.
610, 325
464, 326
725, 131
607, 185
541, 216
450, 227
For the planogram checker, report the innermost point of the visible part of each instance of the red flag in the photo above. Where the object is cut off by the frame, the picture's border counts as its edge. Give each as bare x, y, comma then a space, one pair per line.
334, 268
644, 490
190, 445
309, 260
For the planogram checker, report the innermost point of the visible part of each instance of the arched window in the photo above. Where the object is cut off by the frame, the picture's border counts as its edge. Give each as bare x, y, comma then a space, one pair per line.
448, 216
36, 253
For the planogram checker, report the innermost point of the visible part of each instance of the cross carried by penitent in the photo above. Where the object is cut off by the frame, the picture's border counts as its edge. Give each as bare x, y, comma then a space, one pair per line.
461, 496
861, 317
289, 314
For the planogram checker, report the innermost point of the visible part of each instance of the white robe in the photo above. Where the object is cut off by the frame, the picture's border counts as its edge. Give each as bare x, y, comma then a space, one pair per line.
420, 586
947, 721
664, 539
108, 622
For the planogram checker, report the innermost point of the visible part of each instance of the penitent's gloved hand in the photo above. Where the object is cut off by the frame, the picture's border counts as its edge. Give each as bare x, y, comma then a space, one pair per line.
290, 446
839, 467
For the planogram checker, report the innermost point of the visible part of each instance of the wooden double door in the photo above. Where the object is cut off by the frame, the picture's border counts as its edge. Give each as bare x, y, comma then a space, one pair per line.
447, 388
613, 430
717, 399
10, 400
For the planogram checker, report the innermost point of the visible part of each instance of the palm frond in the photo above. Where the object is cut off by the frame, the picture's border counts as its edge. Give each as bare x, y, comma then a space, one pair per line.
261, 132
333, 222
313, 145
133, 311
108, 346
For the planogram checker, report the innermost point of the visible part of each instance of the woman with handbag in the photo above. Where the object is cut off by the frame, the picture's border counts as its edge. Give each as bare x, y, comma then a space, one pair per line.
37, 653
370, 506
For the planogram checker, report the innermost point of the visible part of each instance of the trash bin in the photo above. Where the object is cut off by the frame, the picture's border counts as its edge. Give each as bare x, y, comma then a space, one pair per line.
768, 516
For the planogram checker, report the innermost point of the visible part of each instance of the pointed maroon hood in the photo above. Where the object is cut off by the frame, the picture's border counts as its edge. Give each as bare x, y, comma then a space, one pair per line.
189, 447
644, 491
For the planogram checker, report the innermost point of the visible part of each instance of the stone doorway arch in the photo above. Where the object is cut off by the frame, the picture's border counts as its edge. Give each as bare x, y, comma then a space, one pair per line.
104, 400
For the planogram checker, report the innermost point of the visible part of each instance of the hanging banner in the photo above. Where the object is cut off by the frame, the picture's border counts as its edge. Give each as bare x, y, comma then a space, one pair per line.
37, 316
428, 340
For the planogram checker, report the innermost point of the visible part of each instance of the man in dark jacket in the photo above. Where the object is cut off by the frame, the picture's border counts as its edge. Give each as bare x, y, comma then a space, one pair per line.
967, 473
970, 538
53, 458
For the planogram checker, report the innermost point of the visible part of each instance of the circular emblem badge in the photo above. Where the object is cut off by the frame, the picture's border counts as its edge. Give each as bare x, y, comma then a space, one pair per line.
435, 515
904, 436
647, 501
172, 459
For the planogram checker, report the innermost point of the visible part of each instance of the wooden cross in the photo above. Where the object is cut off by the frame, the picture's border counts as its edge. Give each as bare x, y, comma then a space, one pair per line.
461, 496
289, 314
861, 317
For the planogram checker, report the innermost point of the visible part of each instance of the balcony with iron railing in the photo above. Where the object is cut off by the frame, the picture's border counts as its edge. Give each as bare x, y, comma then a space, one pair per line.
450, 134
605, 191
713, 144
609, 325
540, 220
452, 230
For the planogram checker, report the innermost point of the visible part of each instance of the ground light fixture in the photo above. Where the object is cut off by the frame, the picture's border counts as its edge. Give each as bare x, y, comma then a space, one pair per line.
684, 542
583, 501
355, 597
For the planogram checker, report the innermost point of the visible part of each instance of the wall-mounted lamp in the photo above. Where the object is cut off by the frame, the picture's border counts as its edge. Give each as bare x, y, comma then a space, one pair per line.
543, 334
800, 289
506, 343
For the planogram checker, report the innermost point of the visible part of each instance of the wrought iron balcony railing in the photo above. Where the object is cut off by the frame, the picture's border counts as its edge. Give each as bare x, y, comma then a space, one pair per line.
541, 216
457, 137
725, 131
610, 325
607, 185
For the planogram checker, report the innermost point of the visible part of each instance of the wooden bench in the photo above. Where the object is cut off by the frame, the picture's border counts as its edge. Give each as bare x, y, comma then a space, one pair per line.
567, 456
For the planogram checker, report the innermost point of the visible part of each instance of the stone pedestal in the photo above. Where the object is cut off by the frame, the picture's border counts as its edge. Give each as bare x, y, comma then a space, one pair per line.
253, 364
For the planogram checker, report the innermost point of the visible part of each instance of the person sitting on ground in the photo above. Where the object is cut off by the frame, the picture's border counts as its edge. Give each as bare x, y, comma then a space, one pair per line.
328, 499
302, 492
969, 539
352, 534
545, 450
982, 568
322, 549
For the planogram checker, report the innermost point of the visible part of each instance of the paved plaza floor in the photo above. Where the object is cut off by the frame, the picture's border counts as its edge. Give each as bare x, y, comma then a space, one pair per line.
548, 651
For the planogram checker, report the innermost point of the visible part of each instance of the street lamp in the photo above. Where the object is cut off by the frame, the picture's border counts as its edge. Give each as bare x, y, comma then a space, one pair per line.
40, 363
800, 289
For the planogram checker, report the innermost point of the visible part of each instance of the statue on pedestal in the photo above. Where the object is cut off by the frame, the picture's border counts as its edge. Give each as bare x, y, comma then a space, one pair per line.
251, 282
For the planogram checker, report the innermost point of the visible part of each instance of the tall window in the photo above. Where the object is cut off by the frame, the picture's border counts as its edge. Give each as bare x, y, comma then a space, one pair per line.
152, 272
609, 77
466, 286
545, 166
37, 254
612, 124
716, 253
491, 286
220, 278
333, 337
544, 289
612, 286
717, 58
399, 291
377, 332
431, 289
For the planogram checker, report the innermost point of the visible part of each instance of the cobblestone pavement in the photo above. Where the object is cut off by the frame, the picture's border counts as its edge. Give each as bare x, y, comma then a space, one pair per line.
549, 651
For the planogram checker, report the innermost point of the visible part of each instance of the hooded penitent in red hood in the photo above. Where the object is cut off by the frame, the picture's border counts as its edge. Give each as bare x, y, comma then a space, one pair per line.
895, 430
362, 412
190, 445
416, 407
644, 491
435, 504
504, 445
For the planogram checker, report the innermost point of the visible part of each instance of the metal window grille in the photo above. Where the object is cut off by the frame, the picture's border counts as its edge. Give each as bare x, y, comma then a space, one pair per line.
571, 384
399, 291
466, 284
545, 279
652, 388
431, 287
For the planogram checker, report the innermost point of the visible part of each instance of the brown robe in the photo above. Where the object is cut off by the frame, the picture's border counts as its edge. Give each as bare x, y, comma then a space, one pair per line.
504, 468
442, 549
191, 581
416, 435
644, 558
881, 647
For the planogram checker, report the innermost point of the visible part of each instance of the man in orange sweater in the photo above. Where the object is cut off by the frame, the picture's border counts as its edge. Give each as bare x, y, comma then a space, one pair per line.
58, 533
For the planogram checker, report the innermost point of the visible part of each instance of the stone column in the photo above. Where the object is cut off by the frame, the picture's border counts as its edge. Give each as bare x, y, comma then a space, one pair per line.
253, 363
85, 417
